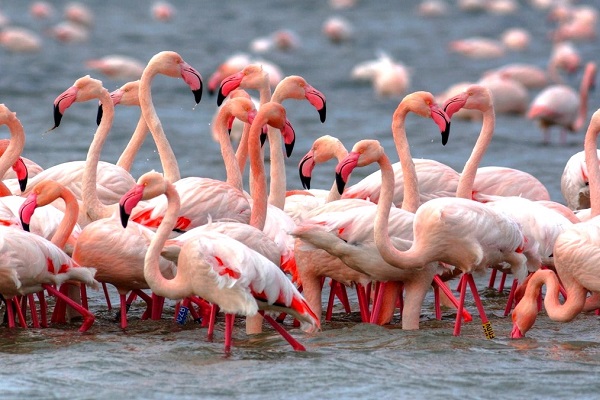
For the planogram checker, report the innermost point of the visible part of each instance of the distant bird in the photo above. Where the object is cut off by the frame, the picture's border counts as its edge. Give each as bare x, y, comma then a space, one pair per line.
163, 11
117, 67
337, 29
20, 40
562, 106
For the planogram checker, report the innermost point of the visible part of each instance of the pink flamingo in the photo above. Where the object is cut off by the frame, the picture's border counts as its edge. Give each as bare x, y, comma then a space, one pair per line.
219, 269
560, 105
457, 230
116, 66
576, 258
20, 40
34, 263
116, 254
349, 235
238, 62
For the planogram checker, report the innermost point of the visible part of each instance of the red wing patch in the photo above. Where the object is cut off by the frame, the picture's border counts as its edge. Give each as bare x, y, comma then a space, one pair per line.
222, 269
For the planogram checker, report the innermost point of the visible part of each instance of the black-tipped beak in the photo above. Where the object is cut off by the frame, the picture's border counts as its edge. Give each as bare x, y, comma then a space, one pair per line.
446, 134
323, 113
23, 183
289, 147
25, 226
305, 181
339, 182
57, 116
211, 91
124, 215
99, 115
220, 97
198, 94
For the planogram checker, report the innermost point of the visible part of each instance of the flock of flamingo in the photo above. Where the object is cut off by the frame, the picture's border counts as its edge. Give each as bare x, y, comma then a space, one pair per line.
265, 254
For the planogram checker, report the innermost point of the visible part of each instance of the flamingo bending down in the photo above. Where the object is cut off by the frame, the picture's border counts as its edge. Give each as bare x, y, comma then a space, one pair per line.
349, 235
217, 268
560, 105
34, 263
576, 257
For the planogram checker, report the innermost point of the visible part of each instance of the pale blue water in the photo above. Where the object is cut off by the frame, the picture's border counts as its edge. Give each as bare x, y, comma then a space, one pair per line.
159, 359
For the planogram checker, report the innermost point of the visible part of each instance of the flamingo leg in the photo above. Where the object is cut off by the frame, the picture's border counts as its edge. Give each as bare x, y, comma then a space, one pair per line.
229, 319
487, 326
297, 346
330, 301
10, 313
43, 309
502, 282
20, 314
437, 281
211, 324
363, 303
34, 318
88, 317
123, 311
149, 302
436, 302
492, 281
511, 297
106, 296
462, 284
342, 295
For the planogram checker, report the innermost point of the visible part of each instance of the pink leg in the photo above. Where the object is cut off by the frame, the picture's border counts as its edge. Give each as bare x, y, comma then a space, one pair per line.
123, 306
377, 303
363, 303
502, 282
436, 302
34, 318
462, 284
20, 314
229, 319
487, 326
157, 306
329, 311
149, 302
341, 293
106, 296
440, 284
88, 317
84, 297
10, 312
511, 297
43, 309
492, 278
293, 342
211, 323
205, 309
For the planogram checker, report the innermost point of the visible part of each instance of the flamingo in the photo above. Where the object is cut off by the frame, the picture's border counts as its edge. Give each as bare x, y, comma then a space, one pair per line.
116, 66
457, 230
201, 198
217, 268
116, 254
349, 235
19, 169
32, 263
576, 258
20, 40
560, 105
235, 63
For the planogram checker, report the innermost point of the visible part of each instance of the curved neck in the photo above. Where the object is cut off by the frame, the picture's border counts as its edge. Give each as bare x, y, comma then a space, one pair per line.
258, 177
334, 194
411, 186
93, 207
277, 169
178, 287
165, 152
467, 178
591, 161
234, 174
241, 154
134, 145
13, 150
65, 228
565, 312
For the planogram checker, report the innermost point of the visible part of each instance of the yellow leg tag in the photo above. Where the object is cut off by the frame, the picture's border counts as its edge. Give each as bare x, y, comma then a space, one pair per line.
488, 330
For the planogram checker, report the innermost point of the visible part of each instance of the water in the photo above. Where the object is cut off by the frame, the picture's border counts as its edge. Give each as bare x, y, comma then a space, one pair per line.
160, 359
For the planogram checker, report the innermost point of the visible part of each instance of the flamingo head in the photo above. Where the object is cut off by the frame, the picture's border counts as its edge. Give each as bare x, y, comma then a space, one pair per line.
296, 87
523, 317
22, 174
475, 97
26, 210
305, 168
149, 185
252, 76
363, 153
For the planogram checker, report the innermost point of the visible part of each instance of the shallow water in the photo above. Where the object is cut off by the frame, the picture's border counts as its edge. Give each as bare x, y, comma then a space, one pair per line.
160, 359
